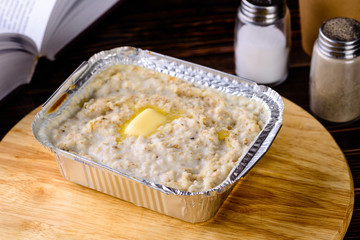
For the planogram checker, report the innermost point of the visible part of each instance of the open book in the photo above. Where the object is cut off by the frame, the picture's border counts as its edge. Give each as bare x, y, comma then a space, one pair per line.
30, 29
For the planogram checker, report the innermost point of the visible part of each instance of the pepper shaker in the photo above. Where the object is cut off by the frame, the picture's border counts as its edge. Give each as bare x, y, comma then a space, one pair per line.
335, 71
262, 41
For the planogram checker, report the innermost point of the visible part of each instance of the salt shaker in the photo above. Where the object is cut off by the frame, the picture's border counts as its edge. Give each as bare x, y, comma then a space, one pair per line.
335, 71
262, 41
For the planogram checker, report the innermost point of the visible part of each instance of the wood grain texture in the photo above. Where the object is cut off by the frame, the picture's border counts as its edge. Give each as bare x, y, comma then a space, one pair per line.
301, 189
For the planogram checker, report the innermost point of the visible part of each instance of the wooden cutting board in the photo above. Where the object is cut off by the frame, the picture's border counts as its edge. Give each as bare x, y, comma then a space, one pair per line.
301, 189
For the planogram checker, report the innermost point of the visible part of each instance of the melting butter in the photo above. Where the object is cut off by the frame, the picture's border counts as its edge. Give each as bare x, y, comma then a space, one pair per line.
222, 134
145, 123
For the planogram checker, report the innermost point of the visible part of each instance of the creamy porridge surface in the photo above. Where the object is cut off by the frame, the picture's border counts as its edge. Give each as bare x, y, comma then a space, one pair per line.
204, 134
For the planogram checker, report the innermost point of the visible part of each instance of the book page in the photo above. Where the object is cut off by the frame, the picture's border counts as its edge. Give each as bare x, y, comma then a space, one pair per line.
28, 17
17, 61
69, 19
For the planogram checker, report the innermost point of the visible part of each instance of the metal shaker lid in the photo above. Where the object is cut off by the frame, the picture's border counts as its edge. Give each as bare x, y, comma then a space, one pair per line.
340, 38
262, 12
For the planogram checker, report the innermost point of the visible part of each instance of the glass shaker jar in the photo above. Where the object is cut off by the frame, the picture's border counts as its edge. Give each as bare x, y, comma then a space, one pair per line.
335, 71
262, 41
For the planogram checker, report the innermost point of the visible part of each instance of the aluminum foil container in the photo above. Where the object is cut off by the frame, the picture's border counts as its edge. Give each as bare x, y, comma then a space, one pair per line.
188, 206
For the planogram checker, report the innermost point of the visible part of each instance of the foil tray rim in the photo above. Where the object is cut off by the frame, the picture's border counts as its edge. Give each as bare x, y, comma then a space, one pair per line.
210, 77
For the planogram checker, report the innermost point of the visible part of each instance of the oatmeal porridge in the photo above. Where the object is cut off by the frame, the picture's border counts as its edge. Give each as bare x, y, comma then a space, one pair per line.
157, 127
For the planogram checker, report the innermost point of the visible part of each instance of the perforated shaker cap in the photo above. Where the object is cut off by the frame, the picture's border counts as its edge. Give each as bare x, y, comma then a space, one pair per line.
340, 38
262, 12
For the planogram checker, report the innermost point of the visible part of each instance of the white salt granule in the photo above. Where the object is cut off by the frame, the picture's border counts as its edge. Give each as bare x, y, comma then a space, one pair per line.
261, 54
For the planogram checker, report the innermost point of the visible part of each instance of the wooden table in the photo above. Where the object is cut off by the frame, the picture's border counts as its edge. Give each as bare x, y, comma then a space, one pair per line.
197, 31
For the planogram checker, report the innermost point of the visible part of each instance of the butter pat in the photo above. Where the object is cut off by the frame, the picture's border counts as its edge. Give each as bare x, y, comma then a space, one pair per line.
145, 123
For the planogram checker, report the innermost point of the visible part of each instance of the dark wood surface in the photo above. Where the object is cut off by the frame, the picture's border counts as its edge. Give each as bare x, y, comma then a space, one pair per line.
199, 31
